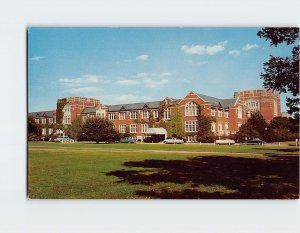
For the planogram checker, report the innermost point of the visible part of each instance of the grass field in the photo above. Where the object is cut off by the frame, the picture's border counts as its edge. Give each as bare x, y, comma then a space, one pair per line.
142, 171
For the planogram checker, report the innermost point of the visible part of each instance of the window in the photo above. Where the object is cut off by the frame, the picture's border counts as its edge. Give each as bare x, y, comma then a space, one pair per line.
122, 128
50, 131
55, 120
191, 109
191, 126
122, 115
226, 114
219, 127
133, 128
226, 126
43, 120
155, 114
50, 120
44, 131
213, 126
133, 115
37, 120
240, 113
252, 104
219, 113
213, 112
144, 128
275, 109
192, 138
112, 116
145, 114
167, 114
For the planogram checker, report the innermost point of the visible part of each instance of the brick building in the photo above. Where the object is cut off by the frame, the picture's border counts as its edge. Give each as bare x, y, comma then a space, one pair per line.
230, 114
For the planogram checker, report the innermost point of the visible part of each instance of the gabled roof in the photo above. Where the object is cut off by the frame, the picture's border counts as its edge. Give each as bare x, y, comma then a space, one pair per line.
134, 106
216, 102
42, 114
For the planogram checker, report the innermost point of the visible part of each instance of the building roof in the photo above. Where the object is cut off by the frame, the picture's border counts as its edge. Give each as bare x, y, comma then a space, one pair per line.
89, 110
215, 102
134, 106
42, 114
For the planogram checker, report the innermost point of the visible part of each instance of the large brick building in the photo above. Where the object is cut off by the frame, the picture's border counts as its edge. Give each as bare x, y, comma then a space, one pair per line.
230, 114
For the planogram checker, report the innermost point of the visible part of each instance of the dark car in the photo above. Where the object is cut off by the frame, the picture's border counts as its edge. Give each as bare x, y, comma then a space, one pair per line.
255, 141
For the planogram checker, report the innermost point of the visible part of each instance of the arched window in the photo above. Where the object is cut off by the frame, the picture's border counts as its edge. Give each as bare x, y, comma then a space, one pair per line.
191, 109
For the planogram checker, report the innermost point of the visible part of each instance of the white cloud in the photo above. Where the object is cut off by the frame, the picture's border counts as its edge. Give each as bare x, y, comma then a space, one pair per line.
204, 49
126, 82
85, 79
234, 52
36, 58
250, 46
151, 83
81, 90
143, 57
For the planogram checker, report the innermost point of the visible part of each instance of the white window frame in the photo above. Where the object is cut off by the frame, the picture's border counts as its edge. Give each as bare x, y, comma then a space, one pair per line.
133, 115
167, 114
226, 114
240, 113
144, 128
122, 116
145, 114
112, 116
213, 127
50, 120
133, 128
220, 113
226, 126
213, 112
191, 126
220, 127
44, 131
155, 113
50, 131
191, 109
122, 128
37, 120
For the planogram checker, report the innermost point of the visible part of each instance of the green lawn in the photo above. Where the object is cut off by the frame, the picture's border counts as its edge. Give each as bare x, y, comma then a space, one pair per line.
119, 171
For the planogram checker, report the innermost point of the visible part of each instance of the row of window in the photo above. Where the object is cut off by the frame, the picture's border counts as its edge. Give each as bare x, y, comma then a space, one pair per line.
133, 115
44, 131
44, 120
220, 113
133, 128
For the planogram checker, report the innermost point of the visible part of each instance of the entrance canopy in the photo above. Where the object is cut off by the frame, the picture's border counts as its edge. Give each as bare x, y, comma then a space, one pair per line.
157, 131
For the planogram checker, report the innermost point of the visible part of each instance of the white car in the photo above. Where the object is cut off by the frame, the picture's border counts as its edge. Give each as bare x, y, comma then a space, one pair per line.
225, 142
63, 139
173, 141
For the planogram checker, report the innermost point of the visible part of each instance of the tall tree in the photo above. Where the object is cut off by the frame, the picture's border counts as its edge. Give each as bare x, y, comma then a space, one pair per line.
76, 128
204, 133
99, 130
175, 127
255, 127
282, 73
34, 130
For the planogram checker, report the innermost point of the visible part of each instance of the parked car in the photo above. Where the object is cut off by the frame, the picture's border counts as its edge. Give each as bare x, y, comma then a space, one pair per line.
225, 142
173, 141
255, 141
63, 139
127, 140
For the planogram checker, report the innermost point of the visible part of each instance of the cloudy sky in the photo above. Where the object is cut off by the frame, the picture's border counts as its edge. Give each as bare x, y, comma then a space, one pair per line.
126, 65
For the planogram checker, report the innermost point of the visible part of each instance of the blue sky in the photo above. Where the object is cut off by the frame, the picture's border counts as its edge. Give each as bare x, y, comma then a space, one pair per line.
126, 65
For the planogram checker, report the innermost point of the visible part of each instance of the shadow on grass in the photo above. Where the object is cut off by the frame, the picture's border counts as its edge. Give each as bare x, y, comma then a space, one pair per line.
276, 177
287, 150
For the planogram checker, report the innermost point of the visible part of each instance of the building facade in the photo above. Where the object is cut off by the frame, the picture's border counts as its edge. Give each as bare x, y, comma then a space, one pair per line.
136, 118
